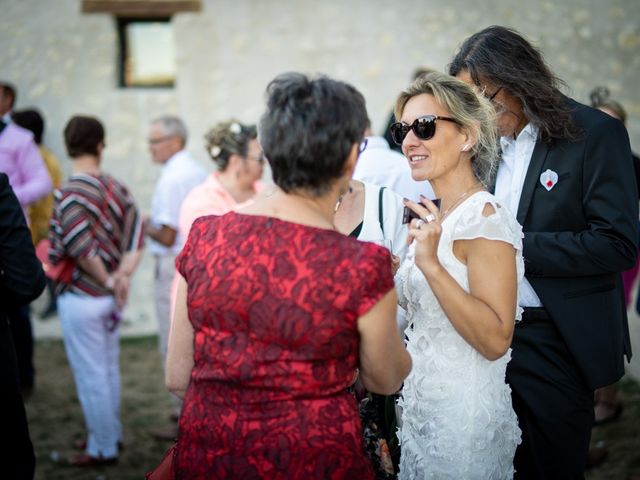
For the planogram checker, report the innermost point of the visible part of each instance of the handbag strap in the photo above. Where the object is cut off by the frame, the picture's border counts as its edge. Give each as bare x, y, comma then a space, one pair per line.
380, 209
105, 204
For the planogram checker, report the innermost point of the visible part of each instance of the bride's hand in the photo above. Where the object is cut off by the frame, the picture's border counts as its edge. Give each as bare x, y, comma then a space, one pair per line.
425, 231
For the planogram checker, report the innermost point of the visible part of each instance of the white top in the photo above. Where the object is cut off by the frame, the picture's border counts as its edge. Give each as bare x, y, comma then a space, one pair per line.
394, 230
457, 417
516, 157
179, 175
380, 165
392, 207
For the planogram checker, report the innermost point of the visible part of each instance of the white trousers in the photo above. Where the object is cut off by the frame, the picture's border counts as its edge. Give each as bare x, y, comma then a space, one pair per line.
93, 353
165, 270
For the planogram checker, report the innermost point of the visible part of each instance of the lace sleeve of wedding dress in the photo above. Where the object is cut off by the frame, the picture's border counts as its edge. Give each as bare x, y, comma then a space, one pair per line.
496, 226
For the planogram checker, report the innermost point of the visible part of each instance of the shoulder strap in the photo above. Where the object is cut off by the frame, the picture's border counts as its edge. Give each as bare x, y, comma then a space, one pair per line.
380, 214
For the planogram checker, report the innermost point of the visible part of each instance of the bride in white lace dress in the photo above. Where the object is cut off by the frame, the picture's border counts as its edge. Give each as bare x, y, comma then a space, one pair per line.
459, 284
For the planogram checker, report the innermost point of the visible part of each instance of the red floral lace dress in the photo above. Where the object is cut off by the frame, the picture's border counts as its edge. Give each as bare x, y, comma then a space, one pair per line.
274, 307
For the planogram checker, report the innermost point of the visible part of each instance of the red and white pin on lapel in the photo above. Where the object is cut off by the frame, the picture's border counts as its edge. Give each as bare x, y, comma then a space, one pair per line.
548, 179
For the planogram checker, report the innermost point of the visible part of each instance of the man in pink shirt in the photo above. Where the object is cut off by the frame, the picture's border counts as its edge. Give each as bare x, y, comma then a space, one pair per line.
21, 161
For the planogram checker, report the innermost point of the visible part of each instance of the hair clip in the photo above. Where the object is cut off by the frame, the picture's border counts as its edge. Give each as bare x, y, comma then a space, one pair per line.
215, 151
235, 128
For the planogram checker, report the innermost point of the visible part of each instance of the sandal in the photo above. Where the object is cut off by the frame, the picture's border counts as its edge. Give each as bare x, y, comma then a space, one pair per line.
87, 461
614, 409
82, 445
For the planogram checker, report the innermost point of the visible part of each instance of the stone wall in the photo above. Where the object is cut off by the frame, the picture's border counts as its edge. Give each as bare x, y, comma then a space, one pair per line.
64, 62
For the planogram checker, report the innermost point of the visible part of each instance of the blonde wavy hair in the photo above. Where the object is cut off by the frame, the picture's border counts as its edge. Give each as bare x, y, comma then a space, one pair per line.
470, 108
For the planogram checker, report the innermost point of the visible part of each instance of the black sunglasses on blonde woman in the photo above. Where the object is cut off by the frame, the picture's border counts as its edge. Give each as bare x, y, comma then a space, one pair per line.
424, 127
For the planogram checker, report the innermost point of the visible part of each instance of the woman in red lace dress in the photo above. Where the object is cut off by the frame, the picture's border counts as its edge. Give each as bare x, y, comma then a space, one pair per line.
276, 310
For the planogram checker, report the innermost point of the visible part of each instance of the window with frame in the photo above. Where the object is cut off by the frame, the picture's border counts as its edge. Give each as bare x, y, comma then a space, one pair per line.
147, 52
146, 55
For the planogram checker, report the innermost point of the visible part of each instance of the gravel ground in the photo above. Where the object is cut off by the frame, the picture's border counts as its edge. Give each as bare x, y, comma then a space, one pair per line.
56, 422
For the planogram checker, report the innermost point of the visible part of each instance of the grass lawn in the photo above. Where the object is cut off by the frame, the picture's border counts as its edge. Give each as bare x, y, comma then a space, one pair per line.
56, 422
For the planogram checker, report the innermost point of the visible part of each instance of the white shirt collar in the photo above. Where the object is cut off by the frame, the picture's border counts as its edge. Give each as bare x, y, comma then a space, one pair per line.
175, 158
529, 133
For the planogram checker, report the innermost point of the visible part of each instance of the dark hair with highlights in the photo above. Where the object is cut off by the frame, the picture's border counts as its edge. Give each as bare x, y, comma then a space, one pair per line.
309, 129
83, 135
228, 138
503, 57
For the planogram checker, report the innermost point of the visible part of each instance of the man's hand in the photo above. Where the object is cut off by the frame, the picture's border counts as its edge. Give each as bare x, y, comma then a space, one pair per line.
165, 235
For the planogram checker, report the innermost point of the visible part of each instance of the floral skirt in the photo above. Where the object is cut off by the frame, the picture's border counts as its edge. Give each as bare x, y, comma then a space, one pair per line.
378, 416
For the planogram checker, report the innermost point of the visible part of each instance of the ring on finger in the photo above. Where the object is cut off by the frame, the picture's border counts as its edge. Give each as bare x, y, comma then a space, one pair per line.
419, 223
429, 218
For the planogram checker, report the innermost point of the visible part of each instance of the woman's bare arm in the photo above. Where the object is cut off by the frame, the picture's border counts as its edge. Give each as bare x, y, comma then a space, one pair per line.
384, 362
484, 317
180, 351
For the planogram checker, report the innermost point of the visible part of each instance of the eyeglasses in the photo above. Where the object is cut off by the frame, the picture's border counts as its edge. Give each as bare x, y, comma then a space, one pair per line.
497, 106
258, 158
424, 127
154, 141
362, 146
491, 97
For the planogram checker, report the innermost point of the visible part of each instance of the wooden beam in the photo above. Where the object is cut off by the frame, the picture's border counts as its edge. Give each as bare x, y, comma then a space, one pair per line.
141, 8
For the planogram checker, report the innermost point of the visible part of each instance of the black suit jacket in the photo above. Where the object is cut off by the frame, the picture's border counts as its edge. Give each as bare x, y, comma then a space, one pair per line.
21, 275
579, 236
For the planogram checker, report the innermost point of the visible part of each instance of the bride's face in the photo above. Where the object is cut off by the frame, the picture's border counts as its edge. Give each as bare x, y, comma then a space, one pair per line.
435, 157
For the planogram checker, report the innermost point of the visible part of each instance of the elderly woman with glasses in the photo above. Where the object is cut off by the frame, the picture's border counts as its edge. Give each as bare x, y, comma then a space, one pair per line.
276, 310
235, 150
459, 283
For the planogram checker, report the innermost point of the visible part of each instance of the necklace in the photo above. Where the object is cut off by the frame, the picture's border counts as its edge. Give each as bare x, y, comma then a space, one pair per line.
459, 199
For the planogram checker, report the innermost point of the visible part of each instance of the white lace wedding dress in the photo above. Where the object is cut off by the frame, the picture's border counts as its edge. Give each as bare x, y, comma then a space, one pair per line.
457, 420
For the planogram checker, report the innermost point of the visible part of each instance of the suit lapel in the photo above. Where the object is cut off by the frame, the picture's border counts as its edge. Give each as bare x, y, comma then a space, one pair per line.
538, 157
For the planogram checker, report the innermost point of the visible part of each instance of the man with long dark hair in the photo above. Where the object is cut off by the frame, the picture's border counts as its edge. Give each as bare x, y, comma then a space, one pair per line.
566, 173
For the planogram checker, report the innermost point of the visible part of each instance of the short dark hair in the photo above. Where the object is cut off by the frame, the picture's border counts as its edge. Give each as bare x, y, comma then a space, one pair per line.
83, 135
601, 98
308, 130
10, 90
505, 58
32, 121
422, 71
